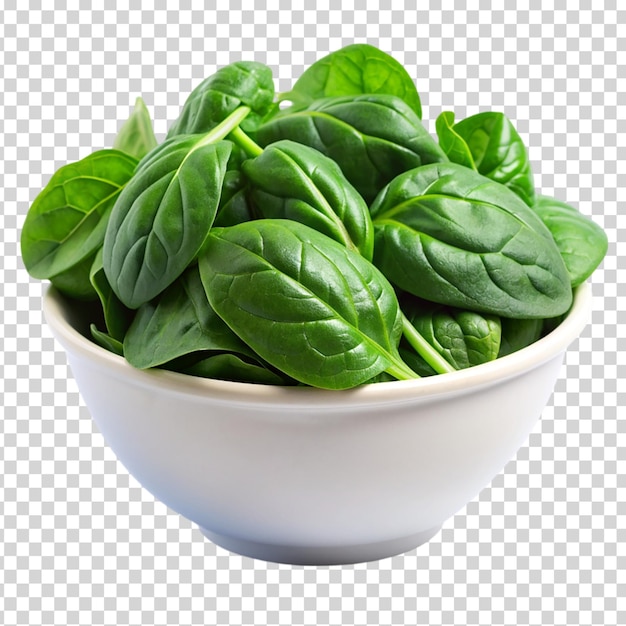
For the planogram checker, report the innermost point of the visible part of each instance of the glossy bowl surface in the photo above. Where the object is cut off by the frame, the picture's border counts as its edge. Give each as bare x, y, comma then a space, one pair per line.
310, 476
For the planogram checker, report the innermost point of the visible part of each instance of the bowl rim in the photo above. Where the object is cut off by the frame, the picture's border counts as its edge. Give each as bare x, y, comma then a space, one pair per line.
56, 308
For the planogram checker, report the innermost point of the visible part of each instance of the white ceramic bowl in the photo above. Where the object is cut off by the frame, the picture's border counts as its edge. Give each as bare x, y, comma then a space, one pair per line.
310, 476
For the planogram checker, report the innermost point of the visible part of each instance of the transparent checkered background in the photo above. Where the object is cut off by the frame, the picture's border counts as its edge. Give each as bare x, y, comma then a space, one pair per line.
83, 543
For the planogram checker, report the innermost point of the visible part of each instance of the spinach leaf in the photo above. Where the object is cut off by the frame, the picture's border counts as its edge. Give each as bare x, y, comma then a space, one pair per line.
383, 377
427, 351
355, 69
414, 360
279, 263
498, 152
244, 83
372, 138
136, 136
306, 304
162, 218
464, 338
75, 283
235, 210
293, 181
117, 317
234, 206
215, 134
104, 340
581, 242
235, 367
552, 323
179, 322
517, 334
451, 142
65, 224
449, 235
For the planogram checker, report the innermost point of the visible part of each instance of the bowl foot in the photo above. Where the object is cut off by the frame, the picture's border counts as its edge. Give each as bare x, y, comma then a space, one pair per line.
320, 555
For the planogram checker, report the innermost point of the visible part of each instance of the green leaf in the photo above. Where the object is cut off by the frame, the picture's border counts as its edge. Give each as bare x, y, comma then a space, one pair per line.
104, 340
234, 206
216, 134
179, 322
307, 305
426, 350
372, 138
449, 235
517, 334
65, 224
498, 152
244, 83
235, 210
117, 317
75, 282
581, 242
293, 181
552, 323
234, 367
355, 69
162, 218
451, 142
136, 136
464, 338
414, 360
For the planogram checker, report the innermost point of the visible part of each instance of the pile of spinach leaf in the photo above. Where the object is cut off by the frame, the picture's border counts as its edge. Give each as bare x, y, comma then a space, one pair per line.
317, 237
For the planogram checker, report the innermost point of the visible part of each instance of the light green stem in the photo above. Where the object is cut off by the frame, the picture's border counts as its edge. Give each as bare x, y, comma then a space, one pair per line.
226, 126
424, 349
400, 370
251, 148
219, 132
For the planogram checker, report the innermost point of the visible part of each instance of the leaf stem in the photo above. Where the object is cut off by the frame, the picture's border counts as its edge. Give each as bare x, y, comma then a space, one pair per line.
251, 148
424, 349
219, 132
400, 370
225, 127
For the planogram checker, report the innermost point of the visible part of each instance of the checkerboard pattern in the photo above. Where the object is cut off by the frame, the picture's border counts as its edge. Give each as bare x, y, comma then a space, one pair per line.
82, 543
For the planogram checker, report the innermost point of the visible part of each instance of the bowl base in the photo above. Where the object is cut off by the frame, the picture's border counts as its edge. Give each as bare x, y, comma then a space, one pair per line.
320, 555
